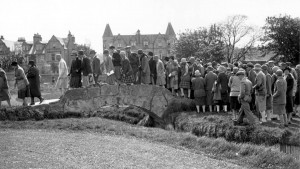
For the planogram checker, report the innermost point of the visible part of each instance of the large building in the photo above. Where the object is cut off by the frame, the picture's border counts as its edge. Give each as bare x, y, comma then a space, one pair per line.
159, 44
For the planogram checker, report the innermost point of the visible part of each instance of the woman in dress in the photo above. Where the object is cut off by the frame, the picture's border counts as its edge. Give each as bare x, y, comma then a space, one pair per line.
127, 76
4, 92
185, 82
160, 71
21, 83
199, 91
234, 85
33, 77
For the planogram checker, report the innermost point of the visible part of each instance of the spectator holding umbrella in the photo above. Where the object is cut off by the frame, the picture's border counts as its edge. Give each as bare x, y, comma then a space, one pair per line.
4, 91
33, 77
21, 82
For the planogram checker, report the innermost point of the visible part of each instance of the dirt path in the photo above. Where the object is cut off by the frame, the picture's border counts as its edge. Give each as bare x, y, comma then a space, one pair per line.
63, 149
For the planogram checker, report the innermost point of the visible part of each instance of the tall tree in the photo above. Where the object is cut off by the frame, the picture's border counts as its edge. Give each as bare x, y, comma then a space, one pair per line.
236, 32
282, 37
202, 43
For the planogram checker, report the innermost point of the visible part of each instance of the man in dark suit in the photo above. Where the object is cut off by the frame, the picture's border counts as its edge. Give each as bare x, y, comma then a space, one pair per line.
95, 66
152, 64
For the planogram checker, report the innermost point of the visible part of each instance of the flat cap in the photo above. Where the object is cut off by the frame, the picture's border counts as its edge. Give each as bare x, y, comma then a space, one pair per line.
264, 67
240, 72
279, 72
250, 65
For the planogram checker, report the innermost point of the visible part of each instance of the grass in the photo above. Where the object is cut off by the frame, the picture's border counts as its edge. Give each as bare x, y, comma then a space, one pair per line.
253, 156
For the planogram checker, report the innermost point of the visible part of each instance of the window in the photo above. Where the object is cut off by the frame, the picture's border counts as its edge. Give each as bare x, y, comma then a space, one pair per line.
169, 42
133, 43
159, 44
119, 45
54, 45
53, 56
145, 43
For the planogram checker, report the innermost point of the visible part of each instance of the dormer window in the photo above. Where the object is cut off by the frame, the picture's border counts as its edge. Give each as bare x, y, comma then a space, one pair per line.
146, 43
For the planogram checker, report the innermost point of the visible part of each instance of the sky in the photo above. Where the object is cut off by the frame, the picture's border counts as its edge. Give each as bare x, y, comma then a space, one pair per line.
86, 19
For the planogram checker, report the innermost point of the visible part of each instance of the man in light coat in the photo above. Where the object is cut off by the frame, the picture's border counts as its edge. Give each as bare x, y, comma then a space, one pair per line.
260, 92
62, 82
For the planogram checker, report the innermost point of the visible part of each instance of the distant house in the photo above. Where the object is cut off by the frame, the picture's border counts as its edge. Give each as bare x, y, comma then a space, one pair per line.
6, 47
159, 44
256, 56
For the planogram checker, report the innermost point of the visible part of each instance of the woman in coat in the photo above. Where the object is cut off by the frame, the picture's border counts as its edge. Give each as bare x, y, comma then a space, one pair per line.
199, 91
279, 98
4, 92
21, 83
127, 76
289, 92
75, 71
160, 72
33, 77
144, 68
234, 85
185, 82
107, 68
223, 82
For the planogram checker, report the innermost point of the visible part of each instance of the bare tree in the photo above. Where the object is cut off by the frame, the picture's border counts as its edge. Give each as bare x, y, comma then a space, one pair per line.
235, 31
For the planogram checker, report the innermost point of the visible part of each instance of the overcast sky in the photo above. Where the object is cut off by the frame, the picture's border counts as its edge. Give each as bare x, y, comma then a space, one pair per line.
86, 19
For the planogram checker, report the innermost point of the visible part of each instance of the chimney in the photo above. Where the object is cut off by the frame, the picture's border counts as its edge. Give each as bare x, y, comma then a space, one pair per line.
2, 38
138, 33
21, 39
37, 38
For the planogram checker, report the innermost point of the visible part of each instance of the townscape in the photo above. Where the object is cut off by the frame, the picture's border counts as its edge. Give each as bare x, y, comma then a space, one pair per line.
224, 95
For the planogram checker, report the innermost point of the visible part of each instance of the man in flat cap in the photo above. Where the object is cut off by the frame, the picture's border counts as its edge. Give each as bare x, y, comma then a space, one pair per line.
75, 71
245, 98
260, 92
251, 76
152, 65
95, 66
209, 79
116, 60
33, 77
85, 68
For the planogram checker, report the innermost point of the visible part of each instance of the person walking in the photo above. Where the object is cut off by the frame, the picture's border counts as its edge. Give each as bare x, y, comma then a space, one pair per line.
144, 68
127, 76
210, 79
4, 91
245, 98
21, 82
33, 77
75, 71
199, 91
279, 98
62, 81
95, 66
234, 85
160, 72
260, 92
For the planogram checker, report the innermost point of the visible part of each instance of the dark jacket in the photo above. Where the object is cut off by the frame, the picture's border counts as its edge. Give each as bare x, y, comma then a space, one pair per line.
134, 61
210, 79
279, 96
76, 67
116, 59
86, 66
223, 81
126, 68
290, 84
33, 77
96, 66
152, 65
198, 86
4, 84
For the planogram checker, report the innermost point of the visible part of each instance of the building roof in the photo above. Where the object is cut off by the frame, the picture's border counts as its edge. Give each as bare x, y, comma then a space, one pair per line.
9, 44
107, 31
257, 55
62, 41
170, 31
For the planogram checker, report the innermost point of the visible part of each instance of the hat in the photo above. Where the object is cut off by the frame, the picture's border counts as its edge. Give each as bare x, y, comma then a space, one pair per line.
240, 72
288, 63
128, 47
166, 58
140, 51
235, 69
274, 69
74, 52
224, 64
250, 64
105, 51
31, 62
257, 66
264, 67
197, 73
14, 63
298, 67
228, 69
183, 60
287, 68
92, 52
80, 52
270, 61
150, 53
283, 64
209, 64
192, 59
210, 68
279, 72
221, 69
112, 47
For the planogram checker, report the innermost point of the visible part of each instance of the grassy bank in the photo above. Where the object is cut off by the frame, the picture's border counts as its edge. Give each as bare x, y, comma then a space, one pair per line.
253, 156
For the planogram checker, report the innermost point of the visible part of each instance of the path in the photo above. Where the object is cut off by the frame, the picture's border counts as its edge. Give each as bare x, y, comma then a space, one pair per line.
65, 149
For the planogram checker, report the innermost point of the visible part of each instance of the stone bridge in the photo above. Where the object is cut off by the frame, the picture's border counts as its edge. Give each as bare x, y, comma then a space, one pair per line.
153, 100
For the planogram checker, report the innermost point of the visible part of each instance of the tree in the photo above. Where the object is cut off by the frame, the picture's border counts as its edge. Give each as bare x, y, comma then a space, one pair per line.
235, 31
202, 43
282, 37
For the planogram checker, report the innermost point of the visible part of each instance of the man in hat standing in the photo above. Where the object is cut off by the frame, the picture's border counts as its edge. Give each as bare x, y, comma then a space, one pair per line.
209, 79
260, 92
144, 68
95, 66
269, 91
75, 71
33, 77
245, 98
116, 60
62, 81
134, 62
85, 68
270, 66
251, 76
